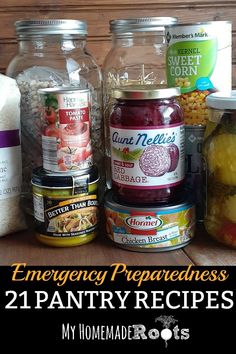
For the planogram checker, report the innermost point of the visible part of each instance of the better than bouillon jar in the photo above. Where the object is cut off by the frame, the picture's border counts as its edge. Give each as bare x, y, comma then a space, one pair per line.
137, 57
52, 53
147, 145
220, 162
199, 62
65, 207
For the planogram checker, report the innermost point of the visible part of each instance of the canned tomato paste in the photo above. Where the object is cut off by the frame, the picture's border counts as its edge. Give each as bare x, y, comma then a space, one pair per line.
147, 145
66, 140
149, 228
65, 207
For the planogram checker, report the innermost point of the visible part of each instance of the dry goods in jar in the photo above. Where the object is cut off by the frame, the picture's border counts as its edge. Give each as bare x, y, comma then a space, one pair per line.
52, 53
137, 57
199, 62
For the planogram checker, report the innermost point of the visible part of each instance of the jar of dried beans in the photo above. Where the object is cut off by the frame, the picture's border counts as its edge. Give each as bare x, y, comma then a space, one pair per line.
52, 53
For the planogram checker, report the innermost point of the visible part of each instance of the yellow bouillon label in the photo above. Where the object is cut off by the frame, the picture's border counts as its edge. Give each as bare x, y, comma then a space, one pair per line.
72, 217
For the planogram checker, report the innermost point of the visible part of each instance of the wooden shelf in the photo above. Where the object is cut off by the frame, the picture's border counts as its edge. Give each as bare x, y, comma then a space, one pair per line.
23, 247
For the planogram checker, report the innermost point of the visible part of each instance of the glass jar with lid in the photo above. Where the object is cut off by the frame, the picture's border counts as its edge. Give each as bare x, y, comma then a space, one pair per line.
137, 57
52, 53
147, 145
220, 164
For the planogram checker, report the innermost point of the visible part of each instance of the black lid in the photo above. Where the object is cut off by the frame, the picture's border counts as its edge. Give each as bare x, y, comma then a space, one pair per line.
40, 177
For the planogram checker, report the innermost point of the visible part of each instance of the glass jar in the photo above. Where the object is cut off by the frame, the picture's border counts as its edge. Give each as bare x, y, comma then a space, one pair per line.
220, 161
147, 145
198, 57
52, 53
137, 57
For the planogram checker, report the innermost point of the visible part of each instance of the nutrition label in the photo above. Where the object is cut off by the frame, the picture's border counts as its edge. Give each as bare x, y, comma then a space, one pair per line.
49, 145
38, 208
10, 168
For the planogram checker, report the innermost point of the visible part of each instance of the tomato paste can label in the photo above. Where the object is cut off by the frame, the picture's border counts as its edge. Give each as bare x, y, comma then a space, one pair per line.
199, 62
144, 158
66, 125
150, 229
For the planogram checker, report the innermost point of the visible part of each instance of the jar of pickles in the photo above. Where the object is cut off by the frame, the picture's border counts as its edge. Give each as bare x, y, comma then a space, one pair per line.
137, 57
147, 145
220, 161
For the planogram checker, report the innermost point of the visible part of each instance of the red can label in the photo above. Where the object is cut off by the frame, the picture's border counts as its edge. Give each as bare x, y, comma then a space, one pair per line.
66, 140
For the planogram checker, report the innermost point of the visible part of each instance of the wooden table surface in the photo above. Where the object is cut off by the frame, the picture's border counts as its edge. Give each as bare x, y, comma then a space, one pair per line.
23, 247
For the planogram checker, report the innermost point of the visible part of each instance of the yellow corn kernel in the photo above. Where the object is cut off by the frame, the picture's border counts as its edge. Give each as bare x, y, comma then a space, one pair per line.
194, 106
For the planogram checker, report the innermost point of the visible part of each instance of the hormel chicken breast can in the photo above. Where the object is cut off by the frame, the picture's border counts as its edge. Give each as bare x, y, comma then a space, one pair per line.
149, 229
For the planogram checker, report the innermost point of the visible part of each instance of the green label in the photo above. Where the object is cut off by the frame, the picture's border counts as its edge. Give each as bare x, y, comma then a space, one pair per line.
190, 64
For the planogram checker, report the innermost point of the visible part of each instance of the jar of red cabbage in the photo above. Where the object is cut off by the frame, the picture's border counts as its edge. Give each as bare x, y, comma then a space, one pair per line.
137, 57
147, 145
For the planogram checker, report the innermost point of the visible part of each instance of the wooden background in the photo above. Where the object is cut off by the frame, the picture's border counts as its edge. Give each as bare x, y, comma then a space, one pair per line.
99, 12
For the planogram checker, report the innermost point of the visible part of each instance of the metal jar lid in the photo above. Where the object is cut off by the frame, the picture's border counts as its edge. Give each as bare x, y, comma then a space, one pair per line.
222, 100
204, 23
44, 179
39, 27
141, 24
56, 90
111, 201
147, 92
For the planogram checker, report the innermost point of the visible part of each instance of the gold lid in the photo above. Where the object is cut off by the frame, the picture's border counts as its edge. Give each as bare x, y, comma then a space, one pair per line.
144, 92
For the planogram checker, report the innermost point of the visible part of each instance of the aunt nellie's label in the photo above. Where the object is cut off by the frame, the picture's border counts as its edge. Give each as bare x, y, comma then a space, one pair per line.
147, 158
